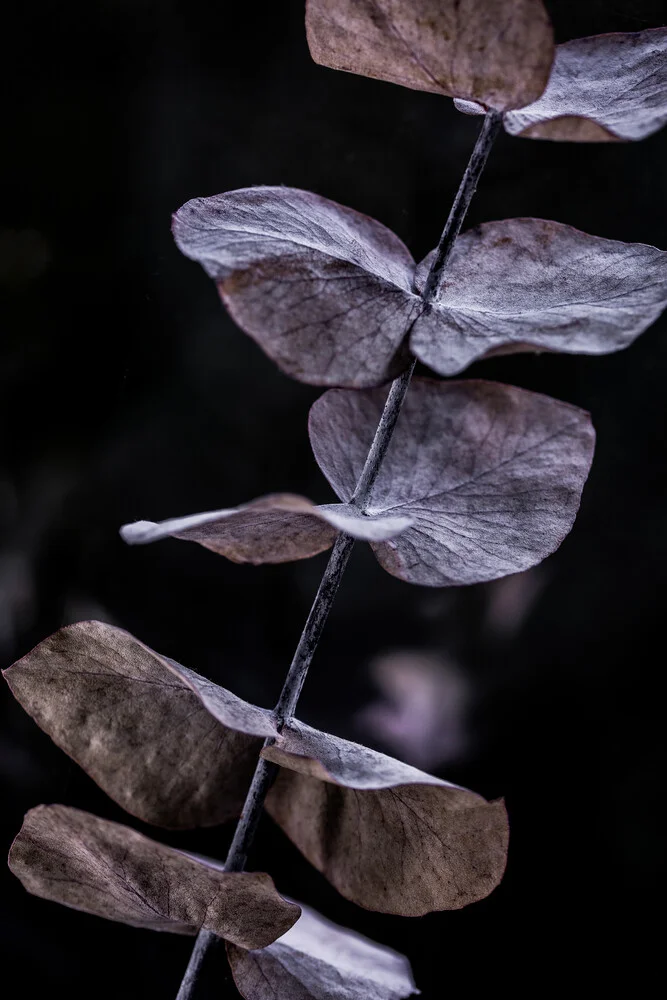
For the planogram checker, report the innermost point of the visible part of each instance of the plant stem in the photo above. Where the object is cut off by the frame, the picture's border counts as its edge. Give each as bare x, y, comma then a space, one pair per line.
265, 772
480, 154
205, 939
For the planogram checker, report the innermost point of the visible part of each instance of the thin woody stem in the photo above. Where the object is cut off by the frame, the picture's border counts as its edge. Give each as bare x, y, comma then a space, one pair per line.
480, 154
265, 772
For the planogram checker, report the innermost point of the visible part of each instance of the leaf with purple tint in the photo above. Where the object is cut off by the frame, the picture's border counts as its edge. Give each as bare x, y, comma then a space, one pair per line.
498, 52
103, 868
604, 88
274, 529
514, 285
388, 836
528, 284
601, 88
324, 290
318, 960
491, 475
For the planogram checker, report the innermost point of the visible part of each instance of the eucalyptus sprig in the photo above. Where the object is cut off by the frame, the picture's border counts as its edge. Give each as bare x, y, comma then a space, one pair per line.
450, 482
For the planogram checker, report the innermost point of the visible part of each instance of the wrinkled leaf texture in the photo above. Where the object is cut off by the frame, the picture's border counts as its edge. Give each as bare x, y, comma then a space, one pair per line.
272, 529
480, 480
334, 297
604, 88
388, 836
498, 52
318, 960
71, 857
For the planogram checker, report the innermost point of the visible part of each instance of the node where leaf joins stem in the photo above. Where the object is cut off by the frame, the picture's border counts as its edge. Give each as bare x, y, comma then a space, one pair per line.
266, 771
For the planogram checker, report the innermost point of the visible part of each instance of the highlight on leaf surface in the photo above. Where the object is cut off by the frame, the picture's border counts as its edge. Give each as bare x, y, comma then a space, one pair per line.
91, 864
498, 52
167, 745
490, 474
603, 88
276, 528
324, 290
335, 298
176, 749
524, 284
389, 837
319, 960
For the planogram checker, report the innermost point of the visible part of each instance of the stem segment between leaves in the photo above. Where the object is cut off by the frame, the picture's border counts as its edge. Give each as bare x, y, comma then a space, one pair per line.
265, 772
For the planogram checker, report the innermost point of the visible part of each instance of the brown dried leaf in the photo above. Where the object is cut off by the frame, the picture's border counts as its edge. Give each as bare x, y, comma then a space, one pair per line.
602, 88
103, 868
524, 284
387, 836
169, 746
495, 51
179, 750
274, 529
318, 960
324, 290
491, 475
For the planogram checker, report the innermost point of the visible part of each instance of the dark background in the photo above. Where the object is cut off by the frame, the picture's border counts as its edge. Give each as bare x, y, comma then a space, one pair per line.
127, 393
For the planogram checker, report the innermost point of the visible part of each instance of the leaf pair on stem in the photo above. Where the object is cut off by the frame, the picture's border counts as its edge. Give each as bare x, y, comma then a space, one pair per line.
335, 298
479, 480
111, 871
495, 54
174, 749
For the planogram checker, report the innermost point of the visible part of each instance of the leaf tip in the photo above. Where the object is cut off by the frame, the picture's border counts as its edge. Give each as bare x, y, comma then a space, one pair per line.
137, 532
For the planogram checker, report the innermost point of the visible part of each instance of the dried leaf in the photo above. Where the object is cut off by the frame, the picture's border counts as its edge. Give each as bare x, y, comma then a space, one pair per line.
273, 529
179, 750
318, 960
601, 88
495, 51
387, 836
520, 284
324, 290
491, 475
103, 868
169, 746
525, 284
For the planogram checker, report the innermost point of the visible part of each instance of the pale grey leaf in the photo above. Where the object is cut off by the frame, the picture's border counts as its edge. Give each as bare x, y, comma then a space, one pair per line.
524, 284
319, 960
109, 870
601, 88
277, 528
491, 475
388, 836
495, 51
324, 290
169, 746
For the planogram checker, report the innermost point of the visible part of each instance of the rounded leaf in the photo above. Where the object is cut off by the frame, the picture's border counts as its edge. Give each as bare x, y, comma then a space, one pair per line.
109, 870
498, 52
166, 744
318, 960
603, 88
388, 836
324, 290
491, 475
530, 284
